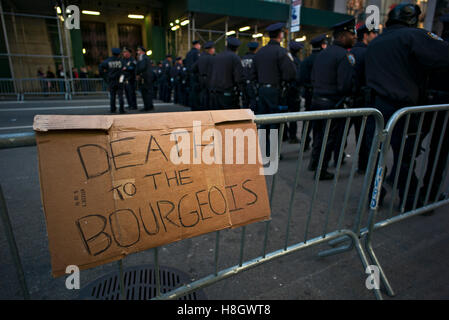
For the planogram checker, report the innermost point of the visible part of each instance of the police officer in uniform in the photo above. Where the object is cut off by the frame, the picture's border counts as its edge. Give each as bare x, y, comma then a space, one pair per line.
203, 69
111, 70
293, 99
273, 67
226, 78
166, 84
305, 78
395, 62
144, 70
175, 78
249, 94
333, 78
362, 95
193, 82
129, 70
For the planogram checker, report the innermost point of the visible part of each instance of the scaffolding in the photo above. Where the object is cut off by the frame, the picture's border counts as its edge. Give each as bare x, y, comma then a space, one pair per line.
17, 84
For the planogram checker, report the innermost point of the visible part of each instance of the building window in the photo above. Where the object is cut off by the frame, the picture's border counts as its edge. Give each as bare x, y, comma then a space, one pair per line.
130, 36
95, 42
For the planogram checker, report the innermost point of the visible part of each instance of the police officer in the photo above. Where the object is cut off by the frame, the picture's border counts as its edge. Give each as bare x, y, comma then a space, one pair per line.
146, 77
193, 82
166, 83
333, 79
157, 81
226, 78
249, 96
111, 70
176, 79
395, 62
362, 95
203, 69
273, 67
305, 78
293, 99
129, 70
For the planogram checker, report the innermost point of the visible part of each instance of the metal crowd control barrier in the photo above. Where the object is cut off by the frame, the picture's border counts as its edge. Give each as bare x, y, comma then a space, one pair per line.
7, 88
422, 192
52, 87
85, 86
326, 232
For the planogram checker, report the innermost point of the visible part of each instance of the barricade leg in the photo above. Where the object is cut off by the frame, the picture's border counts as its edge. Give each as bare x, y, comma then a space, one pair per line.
13, 246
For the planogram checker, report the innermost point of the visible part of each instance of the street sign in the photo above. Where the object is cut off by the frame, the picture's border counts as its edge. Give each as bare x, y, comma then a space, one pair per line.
296, 16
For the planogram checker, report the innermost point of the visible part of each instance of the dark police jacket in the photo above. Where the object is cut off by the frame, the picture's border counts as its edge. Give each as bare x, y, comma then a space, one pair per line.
166, 70
359, 52
203, 67
227, 71
191, 58
396, 61
111, 70
248, 66
145, 70
273, 65
130, 69
333, 73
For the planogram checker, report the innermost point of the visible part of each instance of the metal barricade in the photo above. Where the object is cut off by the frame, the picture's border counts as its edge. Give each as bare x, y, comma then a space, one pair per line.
85, 86
418, 192
7, 88
44, 87
337, 224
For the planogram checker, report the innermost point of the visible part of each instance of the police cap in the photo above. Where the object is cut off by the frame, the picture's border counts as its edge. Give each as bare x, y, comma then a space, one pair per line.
406, 13
142, 48
253, 45
234, 42
361, 30
348, 25
178, 58
296, 46
276, 27
116, 51
209, 45
317, 41
194, 42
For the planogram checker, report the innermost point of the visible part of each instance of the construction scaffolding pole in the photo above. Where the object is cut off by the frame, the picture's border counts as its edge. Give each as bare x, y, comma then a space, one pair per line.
5, 35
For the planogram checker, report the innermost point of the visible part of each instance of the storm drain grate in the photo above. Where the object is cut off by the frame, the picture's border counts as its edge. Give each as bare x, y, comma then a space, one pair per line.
140, 284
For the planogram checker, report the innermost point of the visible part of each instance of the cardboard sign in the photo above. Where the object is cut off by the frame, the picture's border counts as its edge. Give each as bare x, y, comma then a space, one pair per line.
110, 187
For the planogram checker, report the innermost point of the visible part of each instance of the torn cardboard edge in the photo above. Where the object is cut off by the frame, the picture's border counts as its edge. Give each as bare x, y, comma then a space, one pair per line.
45, 123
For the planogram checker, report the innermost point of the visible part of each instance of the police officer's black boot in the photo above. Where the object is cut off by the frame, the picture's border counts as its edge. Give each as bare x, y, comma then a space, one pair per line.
326, 175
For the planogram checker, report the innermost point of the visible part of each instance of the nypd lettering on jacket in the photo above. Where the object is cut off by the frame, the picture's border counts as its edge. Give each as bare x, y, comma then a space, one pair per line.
115, 64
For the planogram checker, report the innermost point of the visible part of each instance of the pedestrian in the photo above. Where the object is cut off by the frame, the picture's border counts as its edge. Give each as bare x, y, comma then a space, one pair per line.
273, 67
111, 70
203, 70
333, 80
293, 98
226, 78
249, 97
305, 79
129, 70
396, 62
145, 73
193, 81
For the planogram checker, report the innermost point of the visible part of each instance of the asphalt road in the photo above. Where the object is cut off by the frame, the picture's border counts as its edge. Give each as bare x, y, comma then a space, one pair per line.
414, 253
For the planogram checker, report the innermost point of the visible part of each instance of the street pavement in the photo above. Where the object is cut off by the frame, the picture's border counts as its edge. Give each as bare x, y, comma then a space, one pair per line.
413, 253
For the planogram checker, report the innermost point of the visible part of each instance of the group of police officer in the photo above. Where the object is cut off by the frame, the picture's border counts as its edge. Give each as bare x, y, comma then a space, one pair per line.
360, 68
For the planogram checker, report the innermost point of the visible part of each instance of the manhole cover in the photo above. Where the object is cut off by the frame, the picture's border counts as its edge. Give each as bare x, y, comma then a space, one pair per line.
140, 284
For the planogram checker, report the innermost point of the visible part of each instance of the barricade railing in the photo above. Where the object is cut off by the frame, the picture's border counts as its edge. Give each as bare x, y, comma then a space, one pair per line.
52, 87
346, 204
85, 86
44, 86
7, 88
419, 139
